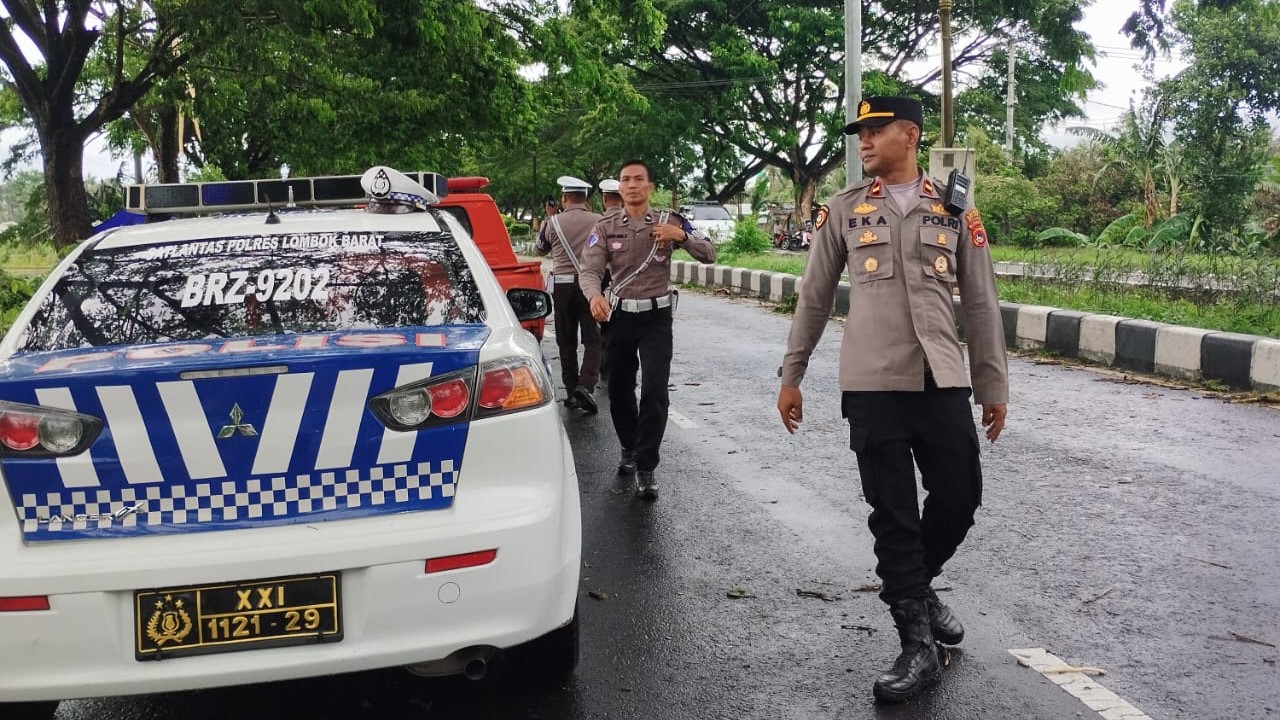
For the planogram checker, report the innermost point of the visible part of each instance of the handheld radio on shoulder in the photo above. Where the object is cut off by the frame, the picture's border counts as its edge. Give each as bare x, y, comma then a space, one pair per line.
956, 197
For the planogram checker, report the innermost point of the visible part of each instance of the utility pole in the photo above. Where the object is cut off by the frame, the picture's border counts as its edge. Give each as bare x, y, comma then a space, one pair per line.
1011, 100
948, 113
852, 85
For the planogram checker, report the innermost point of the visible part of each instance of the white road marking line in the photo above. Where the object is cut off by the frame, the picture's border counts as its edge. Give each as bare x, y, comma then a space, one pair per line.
680, 420
1097, 698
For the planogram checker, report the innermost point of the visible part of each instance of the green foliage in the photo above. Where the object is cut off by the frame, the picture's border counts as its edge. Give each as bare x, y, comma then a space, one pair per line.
14, 294
1013, 208
748, 239
1060, 237
1118, 231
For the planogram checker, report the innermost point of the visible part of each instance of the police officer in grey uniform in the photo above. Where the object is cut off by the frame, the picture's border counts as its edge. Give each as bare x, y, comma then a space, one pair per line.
635, 246
904, 387
611, 200
564, 236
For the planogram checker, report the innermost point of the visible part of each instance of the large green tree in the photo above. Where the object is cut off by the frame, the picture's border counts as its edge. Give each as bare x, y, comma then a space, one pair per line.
76, 65
1223, 99
766, 78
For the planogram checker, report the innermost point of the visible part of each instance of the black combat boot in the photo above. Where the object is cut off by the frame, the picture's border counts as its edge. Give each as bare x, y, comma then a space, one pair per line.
646, 485
944, 623
918, 666
627, 463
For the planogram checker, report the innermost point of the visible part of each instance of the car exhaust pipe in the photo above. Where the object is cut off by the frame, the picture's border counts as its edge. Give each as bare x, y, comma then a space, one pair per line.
473, 663
476, 668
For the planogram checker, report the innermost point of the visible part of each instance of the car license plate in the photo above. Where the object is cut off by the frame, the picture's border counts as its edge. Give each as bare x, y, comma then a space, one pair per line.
174, 622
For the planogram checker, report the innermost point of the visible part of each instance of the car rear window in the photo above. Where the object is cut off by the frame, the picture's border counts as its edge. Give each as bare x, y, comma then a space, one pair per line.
710, 212
259, 285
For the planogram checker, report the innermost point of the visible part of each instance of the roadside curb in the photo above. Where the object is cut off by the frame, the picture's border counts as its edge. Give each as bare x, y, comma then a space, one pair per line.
1240, 362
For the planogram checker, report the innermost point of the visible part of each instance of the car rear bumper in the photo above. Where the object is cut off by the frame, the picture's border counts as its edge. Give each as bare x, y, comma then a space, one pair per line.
393, 613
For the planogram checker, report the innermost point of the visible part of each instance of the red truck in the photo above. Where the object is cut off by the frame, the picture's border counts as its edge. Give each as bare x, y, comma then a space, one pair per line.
478, 213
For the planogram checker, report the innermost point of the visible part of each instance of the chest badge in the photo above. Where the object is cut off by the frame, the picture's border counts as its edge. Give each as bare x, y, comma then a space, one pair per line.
871, 265
939, 208
864, 209
236, 426
940, 265
868, 237
942, 238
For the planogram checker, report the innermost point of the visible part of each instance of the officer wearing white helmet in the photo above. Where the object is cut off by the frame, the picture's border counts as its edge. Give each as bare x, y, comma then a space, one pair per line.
564, 237
610, 195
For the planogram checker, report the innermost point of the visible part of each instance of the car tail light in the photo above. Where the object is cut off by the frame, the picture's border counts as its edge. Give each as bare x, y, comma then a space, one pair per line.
25, 604
511, 384
35, 431
505, 385
457, 562
428, 403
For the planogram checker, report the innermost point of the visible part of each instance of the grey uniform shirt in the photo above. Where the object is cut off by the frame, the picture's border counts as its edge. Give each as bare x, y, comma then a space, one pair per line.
576, 220
901, 267
620, 244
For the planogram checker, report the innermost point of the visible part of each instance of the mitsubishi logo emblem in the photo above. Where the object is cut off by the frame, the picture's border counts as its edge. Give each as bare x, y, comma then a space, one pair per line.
244, 429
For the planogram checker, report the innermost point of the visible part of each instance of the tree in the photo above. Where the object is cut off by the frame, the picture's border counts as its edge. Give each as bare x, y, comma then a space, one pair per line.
1223, 98
91, 62
766, 78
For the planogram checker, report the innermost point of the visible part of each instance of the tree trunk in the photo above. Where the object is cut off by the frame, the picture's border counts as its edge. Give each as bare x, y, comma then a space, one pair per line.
168, 145
63, 149
808, 185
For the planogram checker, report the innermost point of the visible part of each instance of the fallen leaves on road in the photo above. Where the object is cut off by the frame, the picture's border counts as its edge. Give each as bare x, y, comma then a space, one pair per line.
869, 587
597, 595
739, 594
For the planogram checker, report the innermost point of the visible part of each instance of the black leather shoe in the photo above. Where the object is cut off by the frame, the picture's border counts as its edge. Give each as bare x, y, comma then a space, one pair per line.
572, 402
646, 485
585, 400
627, 463
918, 666
944, 623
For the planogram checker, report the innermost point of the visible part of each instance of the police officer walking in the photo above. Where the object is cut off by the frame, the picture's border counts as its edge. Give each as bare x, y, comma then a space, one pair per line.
635, 246
902, 376
564, 236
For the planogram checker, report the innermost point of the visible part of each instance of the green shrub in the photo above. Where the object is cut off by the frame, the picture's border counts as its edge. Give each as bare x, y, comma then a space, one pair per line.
14, 294
1118, 231
1013, 208
748, 239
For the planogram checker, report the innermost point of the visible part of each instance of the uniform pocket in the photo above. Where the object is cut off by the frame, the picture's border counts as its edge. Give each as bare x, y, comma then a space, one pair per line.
870, 253
938, 253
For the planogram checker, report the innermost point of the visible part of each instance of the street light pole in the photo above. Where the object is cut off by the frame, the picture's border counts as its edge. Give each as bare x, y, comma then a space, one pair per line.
852, 85
948, 113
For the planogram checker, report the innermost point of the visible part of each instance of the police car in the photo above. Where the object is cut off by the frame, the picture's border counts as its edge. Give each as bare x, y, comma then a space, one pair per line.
711, 218
286, 442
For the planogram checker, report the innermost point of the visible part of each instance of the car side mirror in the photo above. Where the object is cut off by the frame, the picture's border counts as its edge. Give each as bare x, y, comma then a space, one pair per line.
529, 304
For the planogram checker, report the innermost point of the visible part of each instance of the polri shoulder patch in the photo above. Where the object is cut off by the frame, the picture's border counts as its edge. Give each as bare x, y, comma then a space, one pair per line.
822, 218
977, 232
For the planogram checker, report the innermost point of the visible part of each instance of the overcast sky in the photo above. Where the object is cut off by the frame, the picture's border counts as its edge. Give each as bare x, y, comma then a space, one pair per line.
1102, 21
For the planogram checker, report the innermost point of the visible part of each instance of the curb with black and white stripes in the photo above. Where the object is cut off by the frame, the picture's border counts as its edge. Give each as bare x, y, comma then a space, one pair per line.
1240, 362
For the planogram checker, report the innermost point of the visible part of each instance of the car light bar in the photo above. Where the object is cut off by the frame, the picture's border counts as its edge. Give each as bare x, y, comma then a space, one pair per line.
237, 195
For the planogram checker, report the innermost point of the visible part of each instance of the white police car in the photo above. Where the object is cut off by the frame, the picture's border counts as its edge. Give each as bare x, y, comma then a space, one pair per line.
279, 444
711, 218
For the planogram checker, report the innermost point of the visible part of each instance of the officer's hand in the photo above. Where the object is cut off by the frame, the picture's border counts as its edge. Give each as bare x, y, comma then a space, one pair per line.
791, 407
667, 234
993, 420
600, 308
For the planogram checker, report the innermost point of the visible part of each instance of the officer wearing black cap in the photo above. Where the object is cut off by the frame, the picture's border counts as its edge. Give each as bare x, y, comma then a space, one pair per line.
564, 236
905, 391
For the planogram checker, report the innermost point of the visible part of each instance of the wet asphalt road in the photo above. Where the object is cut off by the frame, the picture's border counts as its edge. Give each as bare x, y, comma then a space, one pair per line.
1125, 526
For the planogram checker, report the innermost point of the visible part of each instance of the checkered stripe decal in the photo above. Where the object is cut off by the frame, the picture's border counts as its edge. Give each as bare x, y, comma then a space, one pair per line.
399, 487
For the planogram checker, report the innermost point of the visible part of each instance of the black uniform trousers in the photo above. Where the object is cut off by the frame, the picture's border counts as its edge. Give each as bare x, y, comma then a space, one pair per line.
935, 427
640, 341
573, 314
